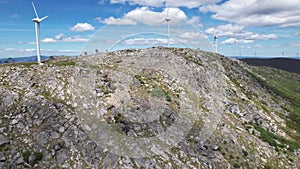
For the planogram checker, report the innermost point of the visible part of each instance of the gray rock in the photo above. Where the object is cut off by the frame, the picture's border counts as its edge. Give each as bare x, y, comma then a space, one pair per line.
2, 157
61, 129
4, 140
214, 147
15, 121
61, 156
57, 147
20, 160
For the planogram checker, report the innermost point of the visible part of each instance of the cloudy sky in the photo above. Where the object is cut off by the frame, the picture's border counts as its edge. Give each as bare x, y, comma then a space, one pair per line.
252, 27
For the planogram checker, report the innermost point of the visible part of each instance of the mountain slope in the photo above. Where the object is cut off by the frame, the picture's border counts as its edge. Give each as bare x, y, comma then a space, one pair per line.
150, 108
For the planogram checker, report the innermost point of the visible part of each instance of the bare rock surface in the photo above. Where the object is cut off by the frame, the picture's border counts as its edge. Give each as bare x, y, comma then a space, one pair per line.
52, 114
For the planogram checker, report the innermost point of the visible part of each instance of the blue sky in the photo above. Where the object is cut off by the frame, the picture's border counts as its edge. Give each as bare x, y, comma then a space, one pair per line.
252, 27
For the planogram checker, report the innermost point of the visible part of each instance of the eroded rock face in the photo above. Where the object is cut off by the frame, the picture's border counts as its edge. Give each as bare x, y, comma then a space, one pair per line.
139, 94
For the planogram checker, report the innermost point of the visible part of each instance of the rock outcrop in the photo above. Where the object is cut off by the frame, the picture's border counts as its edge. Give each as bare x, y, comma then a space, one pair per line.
145, 108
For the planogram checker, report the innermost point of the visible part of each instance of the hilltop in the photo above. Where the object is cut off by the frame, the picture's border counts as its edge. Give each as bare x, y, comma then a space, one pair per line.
148, 108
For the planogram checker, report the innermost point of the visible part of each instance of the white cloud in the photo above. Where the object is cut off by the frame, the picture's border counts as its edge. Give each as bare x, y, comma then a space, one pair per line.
297, 34
237, 41
195, 21
146, 41
283, 13
262, 37
226, 30
48, 40
31, 43
74, 39
145, 15
101, 2
18, 50
9, 49
62, 38
236, 31
193, 35
82, 27
189, 3
15, 16
59, 36
117, 21
169, 3
28, 50
294, 44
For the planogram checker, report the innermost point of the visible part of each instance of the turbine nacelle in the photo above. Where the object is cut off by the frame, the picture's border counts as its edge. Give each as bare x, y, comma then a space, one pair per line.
215, 38
39, 19
216, 42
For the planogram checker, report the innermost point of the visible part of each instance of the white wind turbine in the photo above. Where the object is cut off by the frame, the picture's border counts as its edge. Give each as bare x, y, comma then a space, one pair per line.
37, 22
168, 20
216, 42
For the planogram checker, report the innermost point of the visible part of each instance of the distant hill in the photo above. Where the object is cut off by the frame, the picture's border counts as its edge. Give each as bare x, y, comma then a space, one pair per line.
22, 59
290, 65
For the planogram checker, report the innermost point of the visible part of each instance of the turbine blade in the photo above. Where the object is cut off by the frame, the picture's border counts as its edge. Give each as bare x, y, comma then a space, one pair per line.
167, 12
34, 9
163, 21
43, 18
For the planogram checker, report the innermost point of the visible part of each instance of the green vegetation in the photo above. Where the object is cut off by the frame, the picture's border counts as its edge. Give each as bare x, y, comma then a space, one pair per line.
277, 141
160, 94
194, 60
245, 153
236, 165
139, 78
286, 85
267, 167
187, 56
37, 156
26, 156
64, 63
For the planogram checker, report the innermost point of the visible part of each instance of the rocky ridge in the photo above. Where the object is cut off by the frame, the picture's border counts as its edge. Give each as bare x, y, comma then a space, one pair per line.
237, 122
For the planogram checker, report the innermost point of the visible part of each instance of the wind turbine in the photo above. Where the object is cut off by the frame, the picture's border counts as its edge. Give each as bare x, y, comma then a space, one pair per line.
168, 20
37, 22
216, 42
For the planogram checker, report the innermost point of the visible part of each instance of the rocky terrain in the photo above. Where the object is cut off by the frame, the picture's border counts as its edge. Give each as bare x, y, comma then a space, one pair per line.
148, 108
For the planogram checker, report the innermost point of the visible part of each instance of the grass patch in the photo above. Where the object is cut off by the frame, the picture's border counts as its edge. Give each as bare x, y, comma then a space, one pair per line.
64, 63
37, 156
26, 156
286, 85
245, 153
140, 79
236, 165
271, 138
161, 94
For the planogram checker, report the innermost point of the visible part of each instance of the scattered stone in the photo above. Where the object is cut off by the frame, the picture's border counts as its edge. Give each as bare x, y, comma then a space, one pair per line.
214, 147
4, 140
2, 157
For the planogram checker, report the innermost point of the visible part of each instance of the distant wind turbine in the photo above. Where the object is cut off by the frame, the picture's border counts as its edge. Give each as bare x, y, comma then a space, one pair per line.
37, 22
216, 42
168, 20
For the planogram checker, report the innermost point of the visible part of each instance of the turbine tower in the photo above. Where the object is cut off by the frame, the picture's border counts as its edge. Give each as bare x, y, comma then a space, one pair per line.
216, 42
168, 20
37, 22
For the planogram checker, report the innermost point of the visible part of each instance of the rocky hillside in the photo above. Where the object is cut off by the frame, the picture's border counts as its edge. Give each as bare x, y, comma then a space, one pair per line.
150, 108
